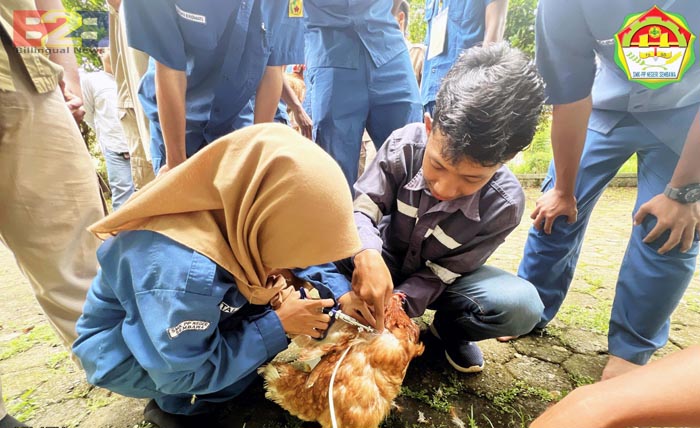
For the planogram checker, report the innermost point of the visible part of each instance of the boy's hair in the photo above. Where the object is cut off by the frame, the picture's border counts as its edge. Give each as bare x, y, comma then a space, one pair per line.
489, 105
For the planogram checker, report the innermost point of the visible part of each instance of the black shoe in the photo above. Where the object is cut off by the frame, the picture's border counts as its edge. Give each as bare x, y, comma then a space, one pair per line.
10, 422
463, 355
162, 419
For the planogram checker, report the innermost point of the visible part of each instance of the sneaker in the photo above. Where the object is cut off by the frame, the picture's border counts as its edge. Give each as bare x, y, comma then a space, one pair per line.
463, 355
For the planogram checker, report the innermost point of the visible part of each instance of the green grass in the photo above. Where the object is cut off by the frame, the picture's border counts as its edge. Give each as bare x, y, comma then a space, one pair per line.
57, 361
40, 334
580, 380
94, 403
435, 398
23, 407
592, 319
692, 303
505, 400
535, 159
595, 283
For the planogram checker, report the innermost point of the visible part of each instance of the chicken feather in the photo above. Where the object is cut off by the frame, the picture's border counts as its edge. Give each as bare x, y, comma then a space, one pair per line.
366, 382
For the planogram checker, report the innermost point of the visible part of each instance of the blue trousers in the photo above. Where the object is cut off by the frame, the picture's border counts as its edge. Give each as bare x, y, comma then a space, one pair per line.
119, 175
487, 303
649, 285
483, 304
194, 142
346, 101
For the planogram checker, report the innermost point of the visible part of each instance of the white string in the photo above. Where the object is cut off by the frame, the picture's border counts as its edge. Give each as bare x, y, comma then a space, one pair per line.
330, 388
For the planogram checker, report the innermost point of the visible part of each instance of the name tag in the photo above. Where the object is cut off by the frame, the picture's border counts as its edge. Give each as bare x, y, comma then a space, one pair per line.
201, 19
438, 33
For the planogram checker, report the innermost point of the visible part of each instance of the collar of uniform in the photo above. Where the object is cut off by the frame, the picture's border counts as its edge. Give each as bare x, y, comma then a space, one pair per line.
469, 205
417, 182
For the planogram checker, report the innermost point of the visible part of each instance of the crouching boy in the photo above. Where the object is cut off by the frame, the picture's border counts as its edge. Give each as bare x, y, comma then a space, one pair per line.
438, 200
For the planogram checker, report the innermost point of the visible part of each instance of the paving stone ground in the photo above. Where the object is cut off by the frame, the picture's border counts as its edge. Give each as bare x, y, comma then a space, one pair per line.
521, 378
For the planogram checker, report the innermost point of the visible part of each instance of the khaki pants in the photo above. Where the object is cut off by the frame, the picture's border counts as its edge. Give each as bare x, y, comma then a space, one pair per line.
49, 196
141, 168
129, 66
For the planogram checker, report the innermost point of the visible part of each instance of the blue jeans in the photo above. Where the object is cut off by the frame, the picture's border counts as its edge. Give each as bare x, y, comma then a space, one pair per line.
346, 101
487, 303
649, 285
119, 175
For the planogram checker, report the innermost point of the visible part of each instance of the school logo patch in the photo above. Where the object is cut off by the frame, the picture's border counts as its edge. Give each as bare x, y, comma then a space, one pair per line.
296, 8
174, 332
654, 48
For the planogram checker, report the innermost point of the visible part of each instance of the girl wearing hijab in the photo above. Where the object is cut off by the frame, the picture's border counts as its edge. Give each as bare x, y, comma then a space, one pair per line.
184, 308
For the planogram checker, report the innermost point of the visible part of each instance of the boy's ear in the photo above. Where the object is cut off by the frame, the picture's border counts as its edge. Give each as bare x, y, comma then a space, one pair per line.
428, 122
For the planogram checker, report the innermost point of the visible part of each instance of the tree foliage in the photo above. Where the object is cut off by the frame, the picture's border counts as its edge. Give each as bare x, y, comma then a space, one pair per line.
520, 25
88, 58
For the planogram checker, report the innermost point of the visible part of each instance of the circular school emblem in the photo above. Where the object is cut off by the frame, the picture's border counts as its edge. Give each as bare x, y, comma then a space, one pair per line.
654, 48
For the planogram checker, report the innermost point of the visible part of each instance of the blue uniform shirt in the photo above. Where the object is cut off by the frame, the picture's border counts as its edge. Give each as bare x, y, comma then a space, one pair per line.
568, 66
222, 45
336, 30
162, 319
465, 28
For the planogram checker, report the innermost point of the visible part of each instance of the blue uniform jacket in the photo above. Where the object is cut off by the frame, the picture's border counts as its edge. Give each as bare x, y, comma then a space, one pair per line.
337, 30
466, 23
575, 67
161, 319
222, 45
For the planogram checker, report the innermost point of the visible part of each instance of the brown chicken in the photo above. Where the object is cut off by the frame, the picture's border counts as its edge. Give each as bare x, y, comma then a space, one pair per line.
366, 381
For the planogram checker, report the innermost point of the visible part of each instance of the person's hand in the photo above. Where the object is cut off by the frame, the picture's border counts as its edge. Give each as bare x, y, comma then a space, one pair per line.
304, 122
683, 221
353, 305
163, 169
169, 165
304, 316
73, 101
551, 205
571, 412
371, 280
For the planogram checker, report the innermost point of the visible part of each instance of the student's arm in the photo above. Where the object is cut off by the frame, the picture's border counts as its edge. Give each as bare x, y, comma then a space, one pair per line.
303, 119
495, 21
375, 197
569, 127
171, 86
565, 57
267, 97
663, 393
70, 82
165, 44
683, 220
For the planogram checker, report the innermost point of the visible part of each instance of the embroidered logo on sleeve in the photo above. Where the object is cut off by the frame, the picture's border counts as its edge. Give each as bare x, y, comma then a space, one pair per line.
191, 16
654, 48
174, 332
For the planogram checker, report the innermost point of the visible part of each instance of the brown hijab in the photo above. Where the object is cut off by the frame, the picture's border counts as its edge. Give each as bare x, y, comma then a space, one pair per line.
261, 197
